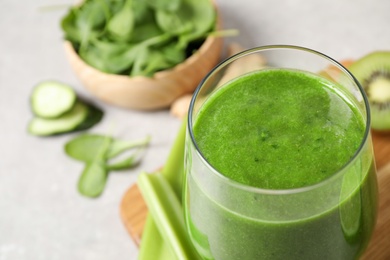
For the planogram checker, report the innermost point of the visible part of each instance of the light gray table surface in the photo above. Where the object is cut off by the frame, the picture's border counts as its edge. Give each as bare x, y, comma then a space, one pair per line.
42, 216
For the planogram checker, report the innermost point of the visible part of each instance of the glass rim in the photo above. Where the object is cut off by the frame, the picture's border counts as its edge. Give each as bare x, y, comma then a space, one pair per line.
254, 189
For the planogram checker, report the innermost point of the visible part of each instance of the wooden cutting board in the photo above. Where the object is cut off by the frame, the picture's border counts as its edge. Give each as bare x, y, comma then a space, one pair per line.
133, 210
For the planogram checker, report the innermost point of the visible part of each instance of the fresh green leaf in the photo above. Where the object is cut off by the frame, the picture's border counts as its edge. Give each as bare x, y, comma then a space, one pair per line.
157, 41
119, 146
143, 14
109, 48
105, 9
156, 59
128, 162
93, 179
95, 12
123, 37
166, 5
173, 53
152, 61
95, 150
116, 58
148, 60
90, 17
69, 27
203, 17
145, 31
174, 22
116, 5
85, 147
140, 61
192, 20
122, 23
80, 22
122, 165
110, 57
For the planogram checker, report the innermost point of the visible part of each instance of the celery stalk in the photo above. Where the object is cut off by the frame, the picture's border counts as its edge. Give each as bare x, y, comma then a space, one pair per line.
174, 167
153, 246
166, 210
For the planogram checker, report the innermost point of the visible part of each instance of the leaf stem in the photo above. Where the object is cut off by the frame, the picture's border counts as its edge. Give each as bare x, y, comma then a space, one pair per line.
224, 33
119, 147
49, 8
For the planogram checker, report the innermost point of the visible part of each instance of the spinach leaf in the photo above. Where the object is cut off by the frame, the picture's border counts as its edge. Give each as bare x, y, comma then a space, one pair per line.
110, 57
145, 31
175, 22
173, 53
126, 163
158, 57
157, 61
145, 55
165, 5
142, 12
90, 18
79, 24
140, 61
93, 179
69, 27
203, 18
85, 147
192, 20
119, 146
95, 12
122, 23
137, 37
95, 150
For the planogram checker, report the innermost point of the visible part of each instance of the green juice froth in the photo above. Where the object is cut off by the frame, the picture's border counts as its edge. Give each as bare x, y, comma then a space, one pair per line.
278, 129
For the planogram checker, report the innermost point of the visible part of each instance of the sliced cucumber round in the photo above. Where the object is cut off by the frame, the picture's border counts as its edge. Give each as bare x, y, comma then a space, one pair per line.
51, 99
94, 116
66, 123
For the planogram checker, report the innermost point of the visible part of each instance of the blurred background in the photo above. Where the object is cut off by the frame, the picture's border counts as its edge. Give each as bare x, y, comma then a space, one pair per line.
42, 216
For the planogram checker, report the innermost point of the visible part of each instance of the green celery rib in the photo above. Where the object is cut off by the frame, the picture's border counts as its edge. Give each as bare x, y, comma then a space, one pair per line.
174, 167
166, 210
153, 246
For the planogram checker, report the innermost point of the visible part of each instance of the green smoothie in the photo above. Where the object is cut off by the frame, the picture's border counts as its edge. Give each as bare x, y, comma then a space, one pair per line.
282, 129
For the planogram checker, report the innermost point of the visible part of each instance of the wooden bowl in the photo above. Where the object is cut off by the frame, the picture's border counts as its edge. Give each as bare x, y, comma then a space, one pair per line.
148, 93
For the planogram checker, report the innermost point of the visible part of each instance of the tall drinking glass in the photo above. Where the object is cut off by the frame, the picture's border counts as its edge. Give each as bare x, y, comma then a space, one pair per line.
279, 160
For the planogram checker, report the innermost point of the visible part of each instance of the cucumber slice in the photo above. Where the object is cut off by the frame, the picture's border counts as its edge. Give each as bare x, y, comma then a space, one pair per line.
65, 123
94, 116
51, 99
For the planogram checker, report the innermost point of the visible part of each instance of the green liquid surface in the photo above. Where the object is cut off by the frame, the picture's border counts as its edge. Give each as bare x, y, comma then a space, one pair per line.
281, 129
278, 129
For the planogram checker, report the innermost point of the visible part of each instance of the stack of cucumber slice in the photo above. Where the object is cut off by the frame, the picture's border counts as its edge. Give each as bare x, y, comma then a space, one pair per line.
59, 110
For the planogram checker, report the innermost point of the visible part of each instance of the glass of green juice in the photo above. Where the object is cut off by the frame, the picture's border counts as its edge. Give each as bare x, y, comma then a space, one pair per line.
279, 161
